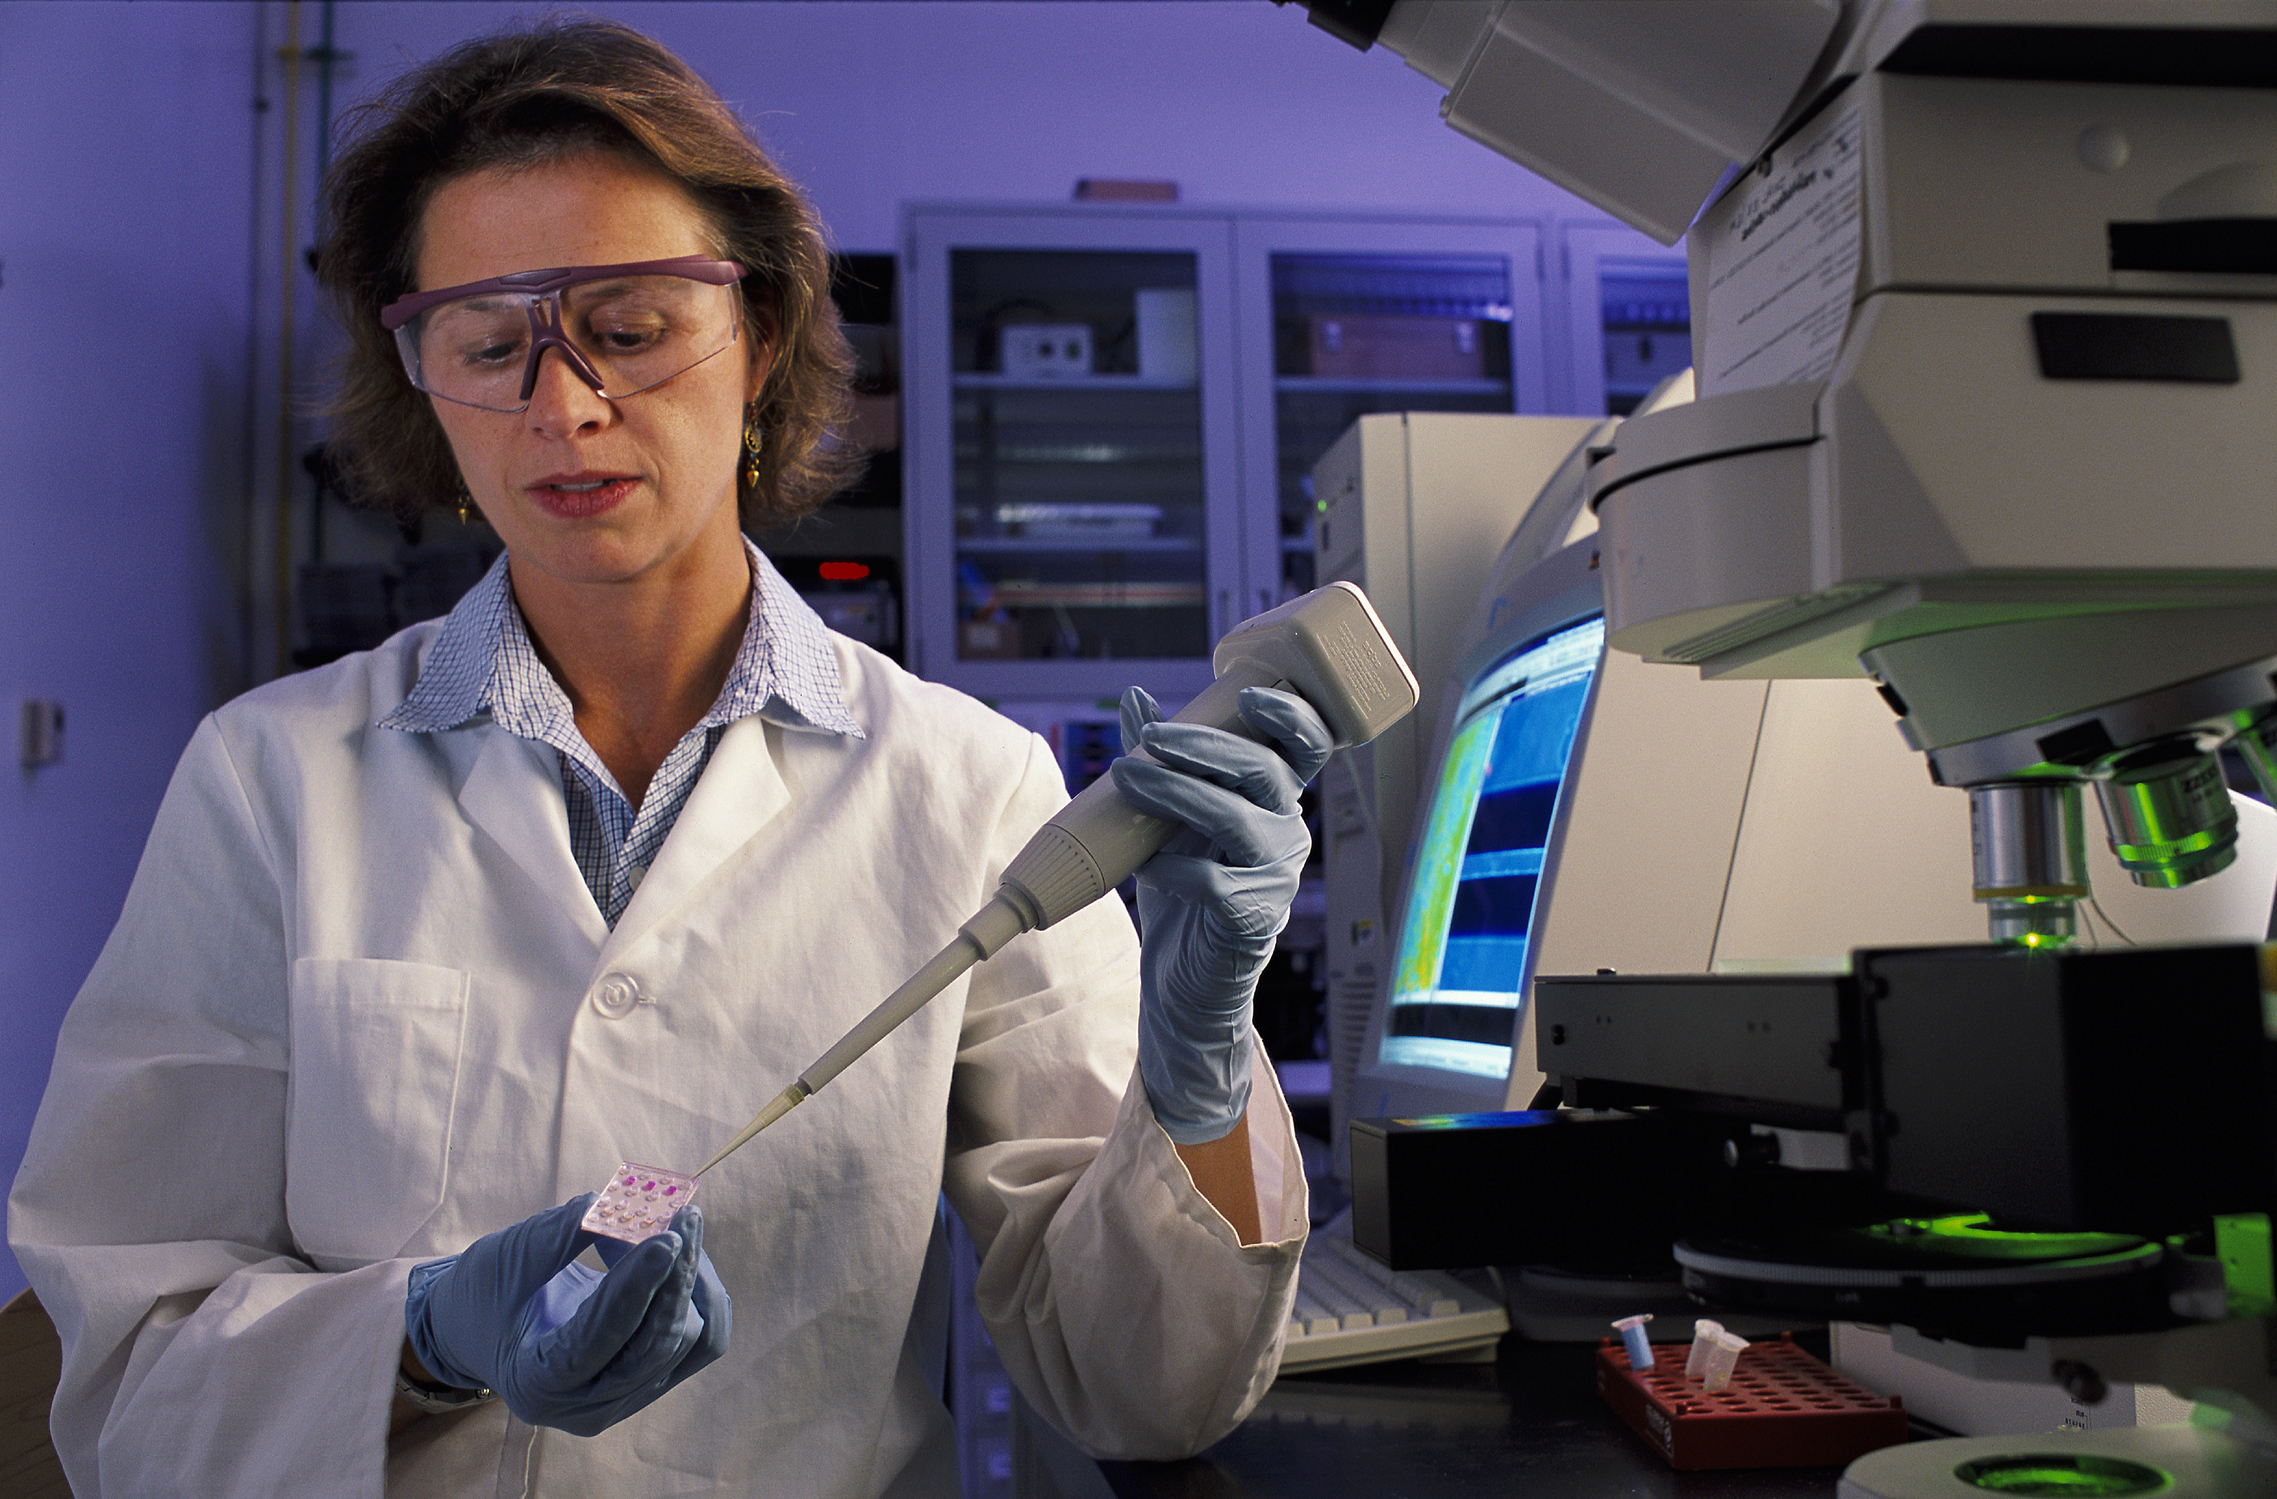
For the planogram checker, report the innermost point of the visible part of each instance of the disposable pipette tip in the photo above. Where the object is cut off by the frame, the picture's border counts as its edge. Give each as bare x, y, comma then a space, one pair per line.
995, 924
785, 1101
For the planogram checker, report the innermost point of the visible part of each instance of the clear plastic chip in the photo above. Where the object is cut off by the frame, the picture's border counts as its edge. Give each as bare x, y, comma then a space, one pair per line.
639, 1202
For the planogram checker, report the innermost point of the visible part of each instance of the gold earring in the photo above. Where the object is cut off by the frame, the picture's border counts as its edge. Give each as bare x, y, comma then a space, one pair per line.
752, 442
465, 500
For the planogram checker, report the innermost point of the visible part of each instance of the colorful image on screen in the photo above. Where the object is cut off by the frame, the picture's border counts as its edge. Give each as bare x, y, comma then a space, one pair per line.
1461, 965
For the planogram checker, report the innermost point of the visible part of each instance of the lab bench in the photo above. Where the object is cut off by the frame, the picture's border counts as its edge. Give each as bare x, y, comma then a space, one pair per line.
1529, 1423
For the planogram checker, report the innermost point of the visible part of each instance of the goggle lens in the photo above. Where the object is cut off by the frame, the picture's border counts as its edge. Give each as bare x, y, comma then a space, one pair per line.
627, 334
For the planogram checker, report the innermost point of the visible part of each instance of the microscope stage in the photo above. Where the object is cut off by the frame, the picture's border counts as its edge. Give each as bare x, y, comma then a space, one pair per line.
2174, 1462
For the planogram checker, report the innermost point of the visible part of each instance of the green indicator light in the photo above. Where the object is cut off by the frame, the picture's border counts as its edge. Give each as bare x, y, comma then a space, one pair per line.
1975, 1233
2241, 1241
2062, 1473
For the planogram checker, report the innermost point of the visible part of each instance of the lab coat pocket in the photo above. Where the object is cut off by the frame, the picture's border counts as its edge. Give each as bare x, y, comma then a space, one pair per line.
375, 1078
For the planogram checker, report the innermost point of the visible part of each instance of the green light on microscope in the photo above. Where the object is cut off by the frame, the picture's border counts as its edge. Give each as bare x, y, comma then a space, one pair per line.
2062, 1473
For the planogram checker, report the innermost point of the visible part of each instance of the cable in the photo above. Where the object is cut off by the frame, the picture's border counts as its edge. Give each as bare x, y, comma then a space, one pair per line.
2116, 930
284, 560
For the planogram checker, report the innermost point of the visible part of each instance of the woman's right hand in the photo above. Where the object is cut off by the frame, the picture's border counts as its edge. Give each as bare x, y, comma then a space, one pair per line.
563, 1345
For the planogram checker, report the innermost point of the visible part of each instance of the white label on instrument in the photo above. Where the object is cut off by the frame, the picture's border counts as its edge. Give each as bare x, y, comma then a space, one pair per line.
1782, 263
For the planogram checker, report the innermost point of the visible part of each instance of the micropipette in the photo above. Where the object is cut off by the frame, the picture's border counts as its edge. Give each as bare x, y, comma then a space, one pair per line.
1328, 647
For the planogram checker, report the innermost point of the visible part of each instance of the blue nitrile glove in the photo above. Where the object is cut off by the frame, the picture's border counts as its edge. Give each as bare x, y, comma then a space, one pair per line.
563, 1345
1211, 903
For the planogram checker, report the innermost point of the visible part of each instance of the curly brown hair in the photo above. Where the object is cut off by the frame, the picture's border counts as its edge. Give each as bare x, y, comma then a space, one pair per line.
527, 98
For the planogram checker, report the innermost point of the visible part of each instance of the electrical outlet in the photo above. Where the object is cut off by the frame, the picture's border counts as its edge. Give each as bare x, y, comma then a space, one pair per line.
1046, 351
42, 736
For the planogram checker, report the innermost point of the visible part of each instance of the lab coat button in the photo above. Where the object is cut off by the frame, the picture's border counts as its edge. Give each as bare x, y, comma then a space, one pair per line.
615, 996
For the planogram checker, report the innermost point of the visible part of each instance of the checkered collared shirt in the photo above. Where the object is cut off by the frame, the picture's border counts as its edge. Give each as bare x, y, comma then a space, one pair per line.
483, 663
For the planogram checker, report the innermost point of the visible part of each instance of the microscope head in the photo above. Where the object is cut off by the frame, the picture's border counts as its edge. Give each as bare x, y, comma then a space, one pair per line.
1984, 314
2026, 715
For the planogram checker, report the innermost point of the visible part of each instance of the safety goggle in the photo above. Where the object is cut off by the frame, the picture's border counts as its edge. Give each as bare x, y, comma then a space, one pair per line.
622, 328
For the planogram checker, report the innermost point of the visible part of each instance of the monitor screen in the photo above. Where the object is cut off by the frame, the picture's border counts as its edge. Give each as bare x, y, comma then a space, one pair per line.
1460, 970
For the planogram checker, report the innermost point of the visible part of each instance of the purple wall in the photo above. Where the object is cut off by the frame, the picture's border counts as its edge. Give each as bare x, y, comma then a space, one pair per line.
870, 104
126, 199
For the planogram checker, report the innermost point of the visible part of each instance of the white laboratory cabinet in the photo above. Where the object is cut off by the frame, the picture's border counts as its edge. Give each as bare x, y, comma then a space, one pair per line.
1114, 410
1624, 318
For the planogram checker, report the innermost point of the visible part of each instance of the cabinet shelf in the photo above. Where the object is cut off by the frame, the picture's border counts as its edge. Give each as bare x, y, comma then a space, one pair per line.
1017, 595
1068, 384
1030, 457
1341, 385
1032, 545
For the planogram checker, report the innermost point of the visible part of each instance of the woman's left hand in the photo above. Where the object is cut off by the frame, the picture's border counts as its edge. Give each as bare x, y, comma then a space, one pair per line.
565, 1346
1211, 903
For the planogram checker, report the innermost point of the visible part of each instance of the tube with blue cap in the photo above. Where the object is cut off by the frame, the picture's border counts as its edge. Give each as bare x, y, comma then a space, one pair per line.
1328, 647
1632, 1330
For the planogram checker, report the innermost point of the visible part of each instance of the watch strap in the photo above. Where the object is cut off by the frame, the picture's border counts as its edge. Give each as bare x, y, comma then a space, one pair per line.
438, 1400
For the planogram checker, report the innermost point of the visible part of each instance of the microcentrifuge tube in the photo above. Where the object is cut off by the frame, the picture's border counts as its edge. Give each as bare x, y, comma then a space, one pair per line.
1633, 1334
1721, 1358
1703, 1339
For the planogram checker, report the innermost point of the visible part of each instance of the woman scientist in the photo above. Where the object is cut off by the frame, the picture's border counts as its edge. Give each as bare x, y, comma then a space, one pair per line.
428, 941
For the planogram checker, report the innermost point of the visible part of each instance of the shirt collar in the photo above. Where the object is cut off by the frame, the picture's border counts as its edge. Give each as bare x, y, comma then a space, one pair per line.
785, 671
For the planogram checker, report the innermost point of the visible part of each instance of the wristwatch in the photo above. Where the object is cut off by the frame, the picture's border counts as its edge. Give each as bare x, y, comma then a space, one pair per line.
438, 1400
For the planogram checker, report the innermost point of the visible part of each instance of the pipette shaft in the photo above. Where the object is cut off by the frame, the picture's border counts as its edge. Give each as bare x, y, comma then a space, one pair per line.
1329, 647
994, 925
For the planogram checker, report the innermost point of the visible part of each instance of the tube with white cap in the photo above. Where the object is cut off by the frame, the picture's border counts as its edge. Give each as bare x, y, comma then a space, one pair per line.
1327, 647
1724, 1349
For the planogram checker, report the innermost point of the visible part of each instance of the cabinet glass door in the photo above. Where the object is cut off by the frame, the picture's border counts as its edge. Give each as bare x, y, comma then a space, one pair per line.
1367, 317
1079, 496
1082, 520
1630, 316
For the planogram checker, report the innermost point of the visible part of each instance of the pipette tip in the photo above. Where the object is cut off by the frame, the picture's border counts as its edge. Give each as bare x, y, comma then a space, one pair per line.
783, 1102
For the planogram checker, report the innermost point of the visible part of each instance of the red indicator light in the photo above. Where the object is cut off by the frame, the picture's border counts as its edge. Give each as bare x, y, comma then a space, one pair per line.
844, 572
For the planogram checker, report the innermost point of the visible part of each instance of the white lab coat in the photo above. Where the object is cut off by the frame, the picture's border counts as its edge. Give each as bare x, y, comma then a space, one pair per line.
356, 1014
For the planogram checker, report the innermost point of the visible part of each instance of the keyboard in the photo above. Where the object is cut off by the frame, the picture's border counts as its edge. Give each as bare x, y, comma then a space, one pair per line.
1351, 1310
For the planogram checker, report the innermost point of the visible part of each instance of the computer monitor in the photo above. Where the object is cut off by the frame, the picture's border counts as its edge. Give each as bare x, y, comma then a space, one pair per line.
1460, 965
1446, 1026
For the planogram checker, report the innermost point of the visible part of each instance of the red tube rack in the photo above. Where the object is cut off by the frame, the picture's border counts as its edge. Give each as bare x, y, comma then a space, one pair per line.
1782, 1409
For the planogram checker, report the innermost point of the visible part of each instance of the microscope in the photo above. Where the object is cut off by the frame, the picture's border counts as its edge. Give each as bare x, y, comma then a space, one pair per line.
1985, 331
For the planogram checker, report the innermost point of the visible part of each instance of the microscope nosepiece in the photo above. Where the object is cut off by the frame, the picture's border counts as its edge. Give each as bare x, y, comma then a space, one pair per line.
2168, 810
